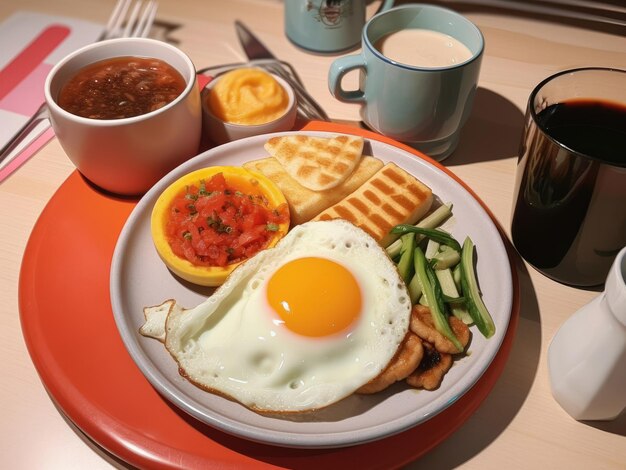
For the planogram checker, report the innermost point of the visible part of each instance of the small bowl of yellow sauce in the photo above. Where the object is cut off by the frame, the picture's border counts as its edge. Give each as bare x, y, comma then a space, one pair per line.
245, 102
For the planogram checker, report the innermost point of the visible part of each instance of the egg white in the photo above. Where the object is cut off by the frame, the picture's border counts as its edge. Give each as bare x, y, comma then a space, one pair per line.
234, 344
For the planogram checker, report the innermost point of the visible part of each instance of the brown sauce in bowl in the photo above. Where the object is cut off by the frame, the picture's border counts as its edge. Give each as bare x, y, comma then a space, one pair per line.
121, 87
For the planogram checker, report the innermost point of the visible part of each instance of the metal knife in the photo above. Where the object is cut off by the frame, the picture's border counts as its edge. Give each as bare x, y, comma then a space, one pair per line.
252, 46
257, 52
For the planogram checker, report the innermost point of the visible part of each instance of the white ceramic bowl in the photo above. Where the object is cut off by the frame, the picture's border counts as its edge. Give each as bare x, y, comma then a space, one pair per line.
127, 156
221, 132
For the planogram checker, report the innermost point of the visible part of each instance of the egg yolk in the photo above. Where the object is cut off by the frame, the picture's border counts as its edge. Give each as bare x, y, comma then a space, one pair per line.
314, 296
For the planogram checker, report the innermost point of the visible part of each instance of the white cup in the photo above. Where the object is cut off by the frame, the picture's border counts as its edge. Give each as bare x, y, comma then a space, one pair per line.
587, 356
221, 132
128, 156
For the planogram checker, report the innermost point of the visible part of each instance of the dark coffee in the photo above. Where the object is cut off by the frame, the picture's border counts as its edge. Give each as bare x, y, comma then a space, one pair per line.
569, 219
594, 128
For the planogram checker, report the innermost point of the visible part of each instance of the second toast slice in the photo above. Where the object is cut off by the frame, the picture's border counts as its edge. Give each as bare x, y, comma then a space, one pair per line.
390, 197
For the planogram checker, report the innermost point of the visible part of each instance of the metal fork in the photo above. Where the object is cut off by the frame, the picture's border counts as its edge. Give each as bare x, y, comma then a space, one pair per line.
137, 24
136, 27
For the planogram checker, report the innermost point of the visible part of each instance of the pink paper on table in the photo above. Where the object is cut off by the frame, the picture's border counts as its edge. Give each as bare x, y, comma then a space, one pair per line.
26, 154
26, 97
31, 44
31, 57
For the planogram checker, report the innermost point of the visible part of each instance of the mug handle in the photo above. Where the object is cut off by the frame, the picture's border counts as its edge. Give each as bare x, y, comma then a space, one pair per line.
337, 70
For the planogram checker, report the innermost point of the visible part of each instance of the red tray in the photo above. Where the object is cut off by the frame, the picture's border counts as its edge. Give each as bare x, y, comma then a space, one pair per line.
70, 332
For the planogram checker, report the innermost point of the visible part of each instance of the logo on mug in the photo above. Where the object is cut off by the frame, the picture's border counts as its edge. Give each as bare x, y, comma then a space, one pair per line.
331, 12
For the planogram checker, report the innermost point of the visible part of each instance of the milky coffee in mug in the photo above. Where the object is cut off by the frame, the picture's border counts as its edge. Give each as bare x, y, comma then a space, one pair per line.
419, 68
423, 48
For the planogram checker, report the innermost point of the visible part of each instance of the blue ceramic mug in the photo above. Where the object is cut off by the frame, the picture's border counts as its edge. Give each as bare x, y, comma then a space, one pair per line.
326, 26
424, 106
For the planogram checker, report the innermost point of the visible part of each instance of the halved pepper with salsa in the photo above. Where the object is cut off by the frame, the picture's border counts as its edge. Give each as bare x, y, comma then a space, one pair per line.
213, 224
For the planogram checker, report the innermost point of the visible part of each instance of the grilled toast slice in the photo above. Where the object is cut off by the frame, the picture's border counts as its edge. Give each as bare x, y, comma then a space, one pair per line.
304, 204
390, 197
317, 163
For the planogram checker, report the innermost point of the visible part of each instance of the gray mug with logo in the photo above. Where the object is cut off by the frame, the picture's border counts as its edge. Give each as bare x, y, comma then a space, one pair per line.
422, 106
326, 26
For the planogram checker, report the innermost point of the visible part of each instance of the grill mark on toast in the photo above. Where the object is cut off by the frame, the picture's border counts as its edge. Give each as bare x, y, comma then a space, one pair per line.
418, 190
334, 151
339, 167
392, 212
372, 197
324, 179
344, 213
306, 170
382, 226
395, 177
404, 201
390, 197
359, 205
304, 204
380, 185
335, 158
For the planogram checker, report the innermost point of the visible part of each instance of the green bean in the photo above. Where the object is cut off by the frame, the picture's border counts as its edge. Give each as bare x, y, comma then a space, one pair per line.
435, 234
431, 290
477, 309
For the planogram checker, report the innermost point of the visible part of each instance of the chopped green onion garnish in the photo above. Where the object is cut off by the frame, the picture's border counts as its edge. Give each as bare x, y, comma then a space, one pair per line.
202, 191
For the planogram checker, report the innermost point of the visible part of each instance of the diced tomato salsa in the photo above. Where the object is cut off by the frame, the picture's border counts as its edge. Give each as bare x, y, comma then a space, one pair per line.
213, 224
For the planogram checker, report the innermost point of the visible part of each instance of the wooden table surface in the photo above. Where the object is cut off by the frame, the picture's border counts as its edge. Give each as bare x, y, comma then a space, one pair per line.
519, 425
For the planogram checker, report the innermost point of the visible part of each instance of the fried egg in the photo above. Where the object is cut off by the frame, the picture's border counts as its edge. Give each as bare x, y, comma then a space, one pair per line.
296, 327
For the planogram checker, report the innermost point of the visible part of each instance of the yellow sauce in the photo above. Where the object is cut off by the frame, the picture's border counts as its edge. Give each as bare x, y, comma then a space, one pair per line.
248, 96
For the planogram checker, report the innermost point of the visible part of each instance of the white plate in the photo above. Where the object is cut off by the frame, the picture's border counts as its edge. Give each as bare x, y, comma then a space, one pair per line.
139, 279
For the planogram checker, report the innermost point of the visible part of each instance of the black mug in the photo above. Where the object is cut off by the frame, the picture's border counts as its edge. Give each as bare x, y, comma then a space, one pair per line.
569, 215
